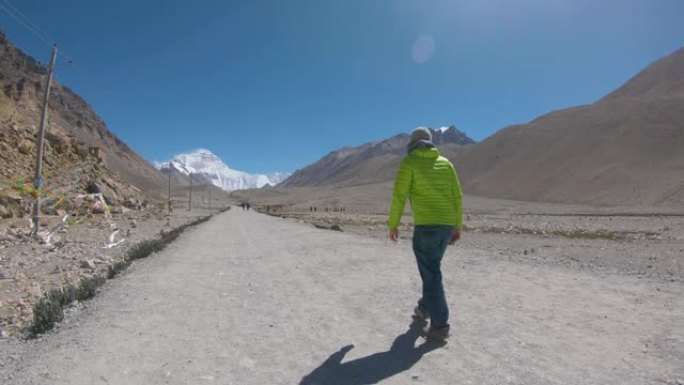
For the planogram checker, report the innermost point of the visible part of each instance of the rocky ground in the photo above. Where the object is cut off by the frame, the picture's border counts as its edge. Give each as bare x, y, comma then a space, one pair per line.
521, 273
254, 299
649, 245
83, 247
636, 243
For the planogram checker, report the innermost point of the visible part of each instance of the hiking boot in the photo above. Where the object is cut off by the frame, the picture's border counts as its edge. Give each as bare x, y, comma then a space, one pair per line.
420, 314
437, 333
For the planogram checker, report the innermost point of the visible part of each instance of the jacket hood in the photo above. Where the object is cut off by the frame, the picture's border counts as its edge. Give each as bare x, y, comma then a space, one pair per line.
426, 152
418, 143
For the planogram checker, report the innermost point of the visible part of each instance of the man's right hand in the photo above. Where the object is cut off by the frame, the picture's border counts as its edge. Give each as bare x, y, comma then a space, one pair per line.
394, 234
455, 236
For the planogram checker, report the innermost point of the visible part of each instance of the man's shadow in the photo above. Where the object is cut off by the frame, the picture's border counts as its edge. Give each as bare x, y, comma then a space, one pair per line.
369, 370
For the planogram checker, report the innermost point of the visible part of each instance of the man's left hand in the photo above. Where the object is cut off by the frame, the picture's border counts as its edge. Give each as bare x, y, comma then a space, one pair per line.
455, 236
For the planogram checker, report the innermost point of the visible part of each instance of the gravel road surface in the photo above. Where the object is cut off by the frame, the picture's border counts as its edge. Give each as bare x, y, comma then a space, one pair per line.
251, 299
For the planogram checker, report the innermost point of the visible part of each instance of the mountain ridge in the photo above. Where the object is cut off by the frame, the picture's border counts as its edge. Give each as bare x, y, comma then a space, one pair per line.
624, 149
204, 165
368, 162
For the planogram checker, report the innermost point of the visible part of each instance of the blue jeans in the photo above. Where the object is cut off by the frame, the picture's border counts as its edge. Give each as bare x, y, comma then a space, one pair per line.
429, 244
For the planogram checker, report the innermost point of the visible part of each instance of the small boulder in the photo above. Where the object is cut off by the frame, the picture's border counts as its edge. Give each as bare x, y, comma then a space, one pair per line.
4, 212
12, 194
93, 188
98, 207
131, 203
81, 150
25, 146
88, 264
60, 143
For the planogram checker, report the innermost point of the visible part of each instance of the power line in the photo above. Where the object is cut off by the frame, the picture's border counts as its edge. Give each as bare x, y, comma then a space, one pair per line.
32, 27
26, 25
28, 20
66, 63
21, 18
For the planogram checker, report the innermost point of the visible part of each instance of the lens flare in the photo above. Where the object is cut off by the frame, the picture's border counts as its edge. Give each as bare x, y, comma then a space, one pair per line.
423, 49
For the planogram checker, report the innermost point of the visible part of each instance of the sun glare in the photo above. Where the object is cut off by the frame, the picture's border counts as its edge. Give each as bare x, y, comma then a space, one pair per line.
423, 49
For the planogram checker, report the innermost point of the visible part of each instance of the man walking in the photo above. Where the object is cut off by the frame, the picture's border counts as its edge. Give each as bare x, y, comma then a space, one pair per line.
431, 184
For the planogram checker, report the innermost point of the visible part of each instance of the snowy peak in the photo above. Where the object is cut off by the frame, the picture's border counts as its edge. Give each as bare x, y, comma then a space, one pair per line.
197, 161
368, 163
278, 177
204, 165
450, 134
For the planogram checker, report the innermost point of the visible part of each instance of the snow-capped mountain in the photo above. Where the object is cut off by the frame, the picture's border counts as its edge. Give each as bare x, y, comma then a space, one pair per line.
205, 166
278, 177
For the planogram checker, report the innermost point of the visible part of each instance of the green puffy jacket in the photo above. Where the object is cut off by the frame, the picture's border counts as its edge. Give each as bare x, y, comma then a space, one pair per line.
431, 184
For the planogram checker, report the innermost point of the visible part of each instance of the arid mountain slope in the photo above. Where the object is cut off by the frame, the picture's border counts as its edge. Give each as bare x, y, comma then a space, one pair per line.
22, 80
626, 149
368, 163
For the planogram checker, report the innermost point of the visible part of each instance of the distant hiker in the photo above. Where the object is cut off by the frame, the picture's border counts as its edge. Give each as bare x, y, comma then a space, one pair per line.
431, 184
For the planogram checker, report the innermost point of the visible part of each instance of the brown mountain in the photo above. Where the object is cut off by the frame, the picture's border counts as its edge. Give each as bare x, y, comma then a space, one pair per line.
73, 129
368, 163
625, 149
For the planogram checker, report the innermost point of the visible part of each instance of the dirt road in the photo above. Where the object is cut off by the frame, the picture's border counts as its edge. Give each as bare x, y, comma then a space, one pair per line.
251, 299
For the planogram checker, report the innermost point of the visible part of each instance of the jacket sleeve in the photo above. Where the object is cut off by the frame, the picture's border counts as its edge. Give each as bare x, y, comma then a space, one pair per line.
457, 195
402, 185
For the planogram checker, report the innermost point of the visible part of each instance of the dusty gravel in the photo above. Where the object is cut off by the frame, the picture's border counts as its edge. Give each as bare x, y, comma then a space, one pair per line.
252, 299
29, 269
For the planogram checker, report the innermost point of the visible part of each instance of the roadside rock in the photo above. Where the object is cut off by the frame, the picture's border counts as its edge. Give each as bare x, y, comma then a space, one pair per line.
25, 146
131, 203
60, 143
88, 264
80, 149
34, 290
4, 147
12, 195
98, 207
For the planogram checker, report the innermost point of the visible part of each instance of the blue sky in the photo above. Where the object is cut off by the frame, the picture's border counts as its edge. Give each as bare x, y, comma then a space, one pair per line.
276, 85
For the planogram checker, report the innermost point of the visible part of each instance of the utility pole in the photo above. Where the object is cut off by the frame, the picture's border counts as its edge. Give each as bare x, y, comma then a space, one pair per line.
38, 181
169, 199
190, 198
209, 196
